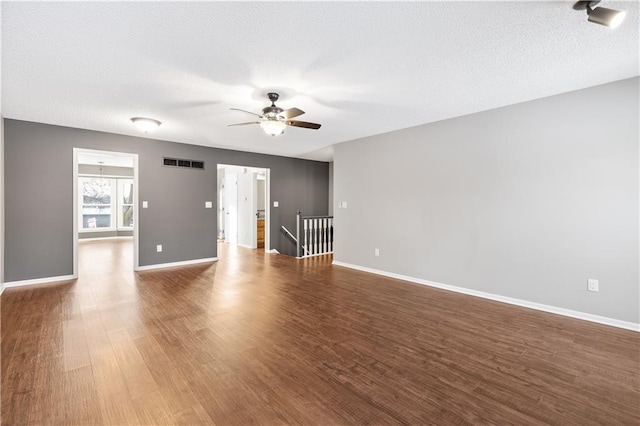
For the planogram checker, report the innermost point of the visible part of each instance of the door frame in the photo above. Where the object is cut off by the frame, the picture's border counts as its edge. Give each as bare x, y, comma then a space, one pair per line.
267, 195
136, 210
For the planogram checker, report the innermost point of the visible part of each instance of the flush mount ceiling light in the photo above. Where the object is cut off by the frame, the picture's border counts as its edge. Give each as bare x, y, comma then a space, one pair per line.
601, 15
146, 124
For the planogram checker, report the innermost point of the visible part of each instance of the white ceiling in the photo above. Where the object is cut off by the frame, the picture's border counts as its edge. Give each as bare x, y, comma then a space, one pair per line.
359, 68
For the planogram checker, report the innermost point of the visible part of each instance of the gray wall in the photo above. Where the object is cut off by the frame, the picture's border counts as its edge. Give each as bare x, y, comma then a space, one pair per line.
526, 201
39, 246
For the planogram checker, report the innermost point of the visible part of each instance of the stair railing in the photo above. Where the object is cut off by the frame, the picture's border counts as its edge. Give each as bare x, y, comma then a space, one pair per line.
314, 235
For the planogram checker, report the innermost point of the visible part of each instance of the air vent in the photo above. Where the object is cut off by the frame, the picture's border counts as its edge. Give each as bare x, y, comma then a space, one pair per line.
185, 164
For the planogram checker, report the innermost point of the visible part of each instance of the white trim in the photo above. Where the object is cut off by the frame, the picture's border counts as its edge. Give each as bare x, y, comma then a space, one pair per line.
267, 211
75, 210
104, 176
1, 289
106, 238
136, 214
40, 281
174, 264
272, 251
245, 246
504, 299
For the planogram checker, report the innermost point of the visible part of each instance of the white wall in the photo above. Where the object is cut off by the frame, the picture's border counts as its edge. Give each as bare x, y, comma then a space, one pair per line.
261, 203
526, 201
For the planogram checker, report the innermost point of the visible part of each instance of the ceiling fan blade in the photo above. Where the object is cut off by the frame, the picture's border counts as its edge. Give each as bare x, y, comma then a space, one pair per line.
248, 112
304, 124
243, 124
291, 112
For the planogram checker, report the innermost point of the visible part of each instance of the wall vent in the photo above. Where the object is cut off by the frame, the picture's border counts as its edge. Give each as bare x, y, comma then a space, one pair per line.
185, 164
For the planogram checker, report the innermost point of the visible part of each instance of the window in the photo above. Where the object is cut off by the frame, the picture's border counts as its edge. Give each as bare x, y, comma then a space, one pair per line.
125, 201
106, 204
96, 196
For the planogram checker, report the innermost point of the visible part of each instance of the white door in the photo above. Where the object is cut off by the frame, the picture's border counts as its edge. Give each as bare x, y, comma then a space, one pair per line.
231, 208
246, 213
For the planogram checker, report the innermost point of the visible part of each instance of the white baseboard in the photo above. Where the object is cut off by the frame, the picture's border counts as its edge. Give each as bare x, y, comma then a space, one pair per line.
504, 299
272, 251
174, 264
72, 277
39, 281
1, 289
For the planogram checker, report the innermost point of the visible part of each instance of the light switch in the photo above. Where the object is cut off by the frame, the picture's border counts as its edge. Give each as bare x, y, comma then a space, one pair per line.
208, 204
145, 204
275, 204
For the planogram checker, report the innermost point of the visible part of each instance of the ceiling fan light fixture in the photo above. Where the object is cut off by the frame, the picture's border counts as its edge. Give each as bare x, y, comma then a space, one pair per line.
274, 120
273, 127
146, 124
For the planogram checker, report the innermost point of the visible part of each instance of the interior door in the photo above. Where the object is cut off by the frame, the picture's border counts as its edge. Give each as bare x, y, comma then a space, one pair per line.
231, 208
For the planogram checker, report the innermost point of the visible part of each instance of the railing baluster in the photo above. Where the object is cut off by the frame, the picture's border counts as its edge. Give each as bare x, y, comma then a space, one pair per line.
305, 226
331, 236
315, 235
318, 249
323, 240
314, 244
298, 218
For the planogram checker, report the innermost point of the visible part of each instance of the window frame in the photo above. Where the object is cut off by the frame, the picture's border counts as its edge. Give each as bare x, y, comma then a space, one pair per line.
116, 207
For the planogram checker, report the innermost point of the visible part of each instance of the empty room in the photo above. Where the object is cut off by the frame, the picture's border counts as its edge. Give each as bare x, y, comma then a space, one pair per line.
320, 213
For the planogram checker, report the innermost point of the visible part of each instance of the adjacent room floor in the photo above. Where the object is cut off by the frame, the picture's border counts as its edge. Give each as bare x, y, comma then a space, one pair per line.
259, 338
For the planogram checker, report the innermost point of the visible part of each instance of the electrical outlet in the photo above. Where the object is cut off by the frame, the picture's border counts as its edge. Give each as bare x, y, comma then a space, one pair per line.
592, 285
159, 248
376, 252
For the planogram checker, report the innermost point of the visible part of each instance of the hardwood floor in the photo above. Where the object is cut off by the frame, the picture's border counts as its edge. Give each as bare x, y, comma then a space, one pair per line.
268, 339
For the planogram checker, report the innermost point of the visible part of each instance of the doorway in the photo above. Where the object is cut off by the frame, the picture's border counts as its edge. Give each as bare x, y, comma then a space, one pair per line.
243, 198
105, 194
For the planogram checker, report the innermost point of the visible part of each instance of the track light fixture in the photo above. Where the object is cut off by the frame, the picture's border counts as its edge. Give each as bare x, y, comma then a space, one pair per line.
601, 15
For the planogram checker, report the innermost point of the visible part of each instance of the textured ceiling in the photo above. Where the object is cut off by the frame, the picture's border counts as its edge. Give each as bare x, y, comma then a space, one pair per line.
358, 68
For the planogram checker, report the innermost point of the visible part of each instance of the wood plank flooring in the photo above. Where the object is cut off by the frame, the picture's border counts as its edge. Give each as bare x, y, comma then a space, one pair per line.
267, 339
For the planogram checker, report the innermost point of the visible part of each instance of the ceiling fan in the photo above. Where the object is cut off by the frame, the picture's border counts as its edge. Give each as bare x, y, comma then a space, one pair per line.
273, 119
